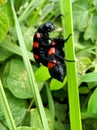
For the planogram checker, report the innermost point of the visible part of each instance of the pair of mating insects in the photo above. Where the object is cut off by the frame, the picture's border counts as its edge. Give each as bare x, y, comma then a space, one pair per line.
50, 54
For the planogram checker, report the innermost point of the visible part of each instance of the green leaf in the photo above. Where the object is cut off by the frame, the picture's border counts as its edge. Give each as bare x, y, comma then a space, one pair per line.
55, 84
89, 77
92, 104
6, 9
16, 80
91, 31
4, 25
2, 127
81, 14
18, 108
42, 74
4, 54
91, 85
84, 90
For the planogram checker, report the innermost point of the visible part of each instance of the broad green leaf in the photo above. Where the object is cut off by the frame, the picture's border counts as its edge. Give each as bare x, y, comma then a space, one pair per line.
89, 77
18, 108
80, 14
4, 25
92, 104
91, 31
6, 9
16, 80
2, 126
42, 74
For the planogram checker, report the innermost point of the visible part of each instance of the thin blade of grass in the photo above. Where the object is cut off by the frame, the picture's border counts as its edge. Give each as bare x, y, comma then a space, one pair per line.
6, 109
74, 107
34, 87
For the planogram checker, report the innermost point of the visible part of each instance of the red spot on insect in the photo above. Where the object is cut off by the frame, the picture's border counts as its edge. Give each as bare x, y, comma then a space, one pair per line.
53, 43
51, 64
36, 44
37, 35
51, 51
36, 57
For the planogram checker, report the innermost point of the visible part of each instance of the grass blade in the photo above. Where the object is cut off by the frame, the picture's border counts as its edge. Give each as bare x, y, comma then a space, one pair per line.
75, 116
34, 86
6, 109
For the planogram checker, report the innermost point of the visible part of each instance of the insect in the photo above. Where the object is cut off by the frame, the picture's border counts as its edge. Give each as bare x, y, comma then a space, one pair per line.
56, 64
50, 54
41, 42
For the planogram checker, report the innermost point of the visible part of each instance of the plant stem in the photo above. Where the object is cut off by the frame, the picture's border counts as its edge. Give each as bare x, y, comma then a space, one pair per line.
74, 107
6, 109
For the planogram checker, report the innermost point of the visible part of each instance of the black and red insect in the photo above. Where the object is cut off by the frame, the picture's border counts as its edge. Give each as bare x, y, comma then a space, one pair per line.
41, 42
56, 64
50, 54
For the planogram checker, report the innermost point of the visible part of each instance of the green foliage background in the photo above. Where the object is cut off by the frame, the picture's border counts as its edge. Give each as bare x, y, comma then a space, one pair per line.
31, 14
